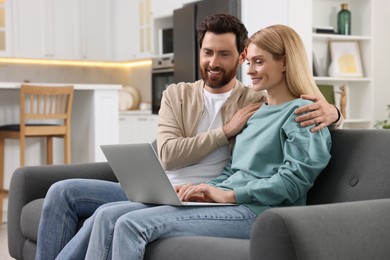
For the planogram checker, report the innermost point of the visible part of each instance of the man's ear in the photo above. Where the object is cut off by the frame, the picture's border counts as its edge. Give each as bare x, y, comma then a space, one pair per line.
243, 56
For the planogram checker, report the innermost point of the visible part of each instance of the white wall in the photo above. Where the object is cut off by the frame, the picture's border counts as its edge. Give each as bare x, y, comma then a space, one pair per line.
381, 50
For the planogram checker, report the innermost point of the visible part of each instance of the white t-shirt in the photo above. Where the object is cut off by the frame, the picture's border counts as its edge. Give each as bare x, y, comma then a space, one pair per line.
212, 165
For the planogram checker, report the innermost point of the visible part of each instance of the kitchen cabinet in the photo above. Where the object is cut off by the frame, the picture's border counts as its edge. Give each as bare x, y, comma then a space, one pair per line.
5, 29
132, 27
303, 16
62, 29
125, 30
137, 127
137, 24
95, 22
29, 28
46, 29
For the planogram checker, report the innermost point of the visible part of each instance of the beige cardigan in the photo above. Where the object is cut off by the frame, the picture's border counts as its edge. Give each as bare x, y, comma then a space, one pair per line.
182, 107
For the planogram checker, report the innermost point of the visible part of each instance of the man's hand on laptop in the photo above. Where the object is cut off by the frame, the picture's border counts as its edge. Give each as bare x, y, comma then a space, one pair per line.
205, 193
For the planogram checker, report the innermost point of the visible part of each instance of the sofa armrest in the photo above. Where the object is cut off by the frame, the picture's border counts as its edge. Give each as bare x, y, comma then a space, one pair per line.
350, 230
32, 183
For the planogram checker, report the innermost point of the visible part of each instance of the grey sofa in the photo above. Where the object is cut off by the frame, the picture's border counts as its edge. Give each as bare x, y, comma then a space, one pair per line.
347, 216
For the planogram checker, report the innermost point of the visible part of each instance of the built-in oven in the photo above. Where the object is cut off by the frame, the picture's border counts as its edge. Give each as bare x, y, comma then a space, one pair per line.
162, 76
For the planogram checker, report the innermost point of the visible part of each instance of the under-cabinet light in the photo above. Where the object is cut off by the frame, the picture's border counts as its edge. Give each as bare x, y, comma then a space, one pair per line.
138, 63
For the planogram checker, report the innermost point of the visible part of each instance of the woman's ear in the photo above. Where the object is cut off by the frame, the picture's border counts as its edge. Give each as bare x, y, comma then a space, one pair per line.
284, 62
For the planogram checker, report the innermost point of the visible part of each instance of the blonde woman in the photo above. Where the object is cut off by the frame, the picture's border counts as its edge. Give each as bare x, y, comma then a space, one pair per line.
274, 163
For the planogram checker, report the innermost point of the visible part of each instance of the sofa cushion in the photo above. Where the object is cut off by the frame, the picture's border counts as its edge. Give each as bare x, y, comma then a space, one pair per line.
194, 248
29, 250
29, 220
358, 169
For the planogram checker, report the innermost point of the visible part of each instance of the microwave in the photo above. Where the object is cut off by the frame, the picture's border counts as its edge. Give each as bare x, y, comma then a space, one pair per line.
165, 40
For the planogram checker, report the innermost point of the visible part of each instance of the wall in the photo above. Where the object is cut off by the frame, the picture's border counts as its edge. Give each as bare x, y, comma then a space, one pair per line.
381, 60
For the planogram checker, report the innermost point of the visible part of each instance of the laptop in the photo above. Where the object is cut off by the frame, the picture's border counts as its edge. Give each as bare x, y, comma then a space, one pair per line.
142, 177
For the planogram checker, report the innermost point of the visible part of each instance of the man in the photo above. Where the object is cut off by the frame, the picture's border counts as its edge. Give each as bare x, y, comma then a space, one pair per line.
197, 125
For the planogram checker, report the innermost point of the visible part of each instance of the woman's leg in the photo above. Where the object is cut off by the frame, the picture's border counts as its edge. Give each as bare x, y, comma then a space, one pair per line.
65, 203
136, 229
77, 246
103, 228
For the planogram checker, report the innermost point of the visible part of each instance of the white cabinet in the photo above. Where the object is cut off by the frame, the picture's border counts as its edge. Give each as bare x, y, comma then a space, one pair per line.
136, 25
125, 30
95, 22
29, 28
137, 127
132, 27
46, 29
62, 29
5, 28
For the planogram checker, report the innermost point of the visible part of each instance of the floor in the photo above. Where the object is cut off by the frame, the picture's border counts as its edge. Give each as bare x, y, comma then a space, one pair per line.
4, 243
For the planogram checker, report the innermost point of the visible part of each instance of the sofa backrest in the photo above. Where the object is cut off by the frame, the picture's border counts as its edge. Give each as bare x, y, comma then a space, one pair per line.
358, 170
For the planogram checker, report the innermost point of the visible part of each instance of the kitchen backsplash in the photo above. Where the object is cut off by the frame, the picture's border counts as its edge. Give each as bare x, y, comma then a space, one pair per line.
139, 77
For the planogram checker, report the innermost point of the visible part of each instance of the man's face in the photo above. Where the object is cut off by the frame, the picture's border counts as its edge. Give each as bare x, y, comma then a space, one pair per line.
219, 59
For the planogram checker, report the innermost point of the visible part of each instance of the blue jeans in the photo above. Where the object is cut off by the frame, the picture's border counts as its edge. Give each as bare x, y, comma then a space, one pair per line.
118, 235
65, 203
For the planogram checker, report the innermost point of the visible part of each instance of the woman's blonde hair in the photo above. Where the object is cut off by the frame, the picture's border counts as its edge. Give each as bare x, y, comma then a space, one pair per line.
284, 43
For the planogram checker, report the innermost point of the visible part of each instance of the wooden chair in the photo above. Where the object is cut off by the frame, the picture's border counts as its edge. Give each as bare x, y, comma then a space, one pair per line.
44, 112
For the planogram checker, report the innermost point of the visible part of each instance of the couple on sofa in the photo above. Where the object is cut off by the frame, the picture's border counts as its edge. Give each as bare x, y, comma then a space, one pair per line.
274, 161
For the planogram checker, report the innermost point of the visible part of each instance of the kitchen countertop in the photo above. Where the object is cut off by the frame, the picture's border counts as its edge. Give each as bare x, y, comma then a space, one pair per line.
136, 112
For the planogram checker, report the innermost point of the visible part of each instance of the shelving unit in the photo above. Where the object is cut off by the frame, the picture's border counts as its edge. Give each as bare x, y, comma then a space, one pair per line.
359, 89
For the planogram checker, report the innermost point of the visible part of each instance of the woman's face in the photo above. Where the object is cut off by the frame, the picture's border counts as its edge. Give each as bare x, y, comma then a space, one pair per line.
266, 72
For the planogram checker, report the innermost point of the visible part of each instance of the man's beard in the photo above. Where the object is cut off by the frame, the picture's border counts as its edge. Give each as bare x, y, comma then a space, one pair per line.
227, 76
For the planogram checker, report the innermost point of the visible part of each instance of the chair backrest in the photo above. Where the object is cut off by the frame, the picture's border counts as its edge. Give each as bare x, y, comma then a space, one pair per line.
45, 109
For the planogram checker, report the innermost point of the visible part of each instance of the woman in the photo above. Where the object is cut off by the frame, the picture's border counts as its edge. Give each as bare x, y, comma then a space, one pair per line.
274, 161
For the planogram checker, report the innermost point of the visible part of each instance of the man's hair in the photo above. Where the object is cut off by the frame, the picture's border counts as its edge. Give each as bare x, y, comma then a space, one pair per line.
224, 23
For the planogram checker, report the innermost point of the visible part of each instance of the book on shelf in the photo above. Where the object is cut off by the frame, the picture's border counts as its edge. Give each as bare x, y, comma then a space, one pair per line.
328, 92
324, 29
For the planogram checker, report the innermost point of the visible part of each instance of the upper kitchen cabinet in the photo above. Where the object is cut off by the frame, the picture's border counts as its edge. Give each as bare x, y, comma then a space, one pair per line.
46, 29
62, 29
137, 24
5, 29
132, 29
96, 34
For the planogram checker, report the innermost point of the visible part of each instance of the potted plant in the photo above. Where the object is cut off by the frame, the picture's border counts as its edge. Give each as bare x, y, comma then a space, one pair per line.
384, 124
